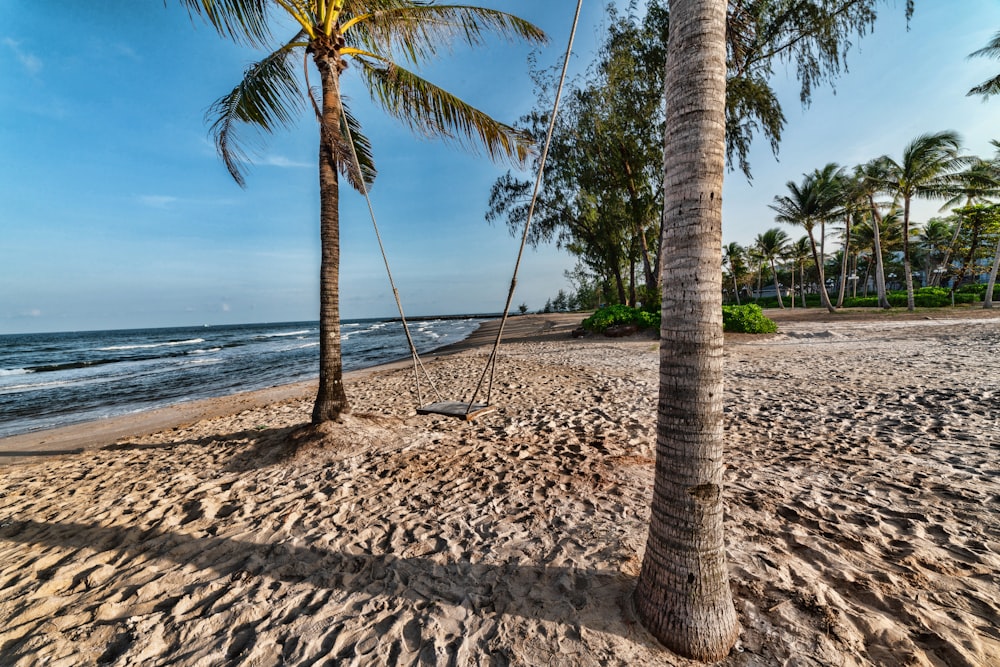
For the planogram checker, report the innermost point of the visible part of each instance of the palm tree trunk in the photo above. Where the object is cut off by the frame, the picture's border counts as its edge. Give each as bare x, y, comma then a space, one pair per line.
683, 593
988, 297
947, 255
843, 262
791, 275
824, 296
331, 399
883, 300
907, 269
777, 290
802, 283
736, 289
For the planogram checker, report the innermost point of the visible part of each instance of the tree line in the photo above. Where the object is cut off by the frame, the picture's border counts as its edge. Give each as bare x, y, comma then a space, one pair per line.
867, 211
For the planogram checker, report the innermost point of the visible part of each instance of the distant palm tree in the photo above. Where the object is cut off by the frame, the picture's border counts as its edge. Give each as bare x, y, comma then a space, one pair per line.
734, 256
799, 252
936, 241
928, 169
869, 178
379, 37
979, 183
772, 245
813, 202
990, 86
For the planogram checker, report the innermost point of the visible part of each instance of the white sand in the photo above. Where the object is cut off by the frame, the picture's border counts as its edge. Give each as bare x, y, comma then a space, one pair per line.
862, 522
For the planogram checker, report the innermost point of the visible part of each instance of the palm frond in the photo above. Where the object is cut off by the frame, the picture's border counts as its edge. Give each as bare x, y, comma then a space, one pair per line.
243, 21
432, 111
268, 97
349, 125
986, 88
417, 31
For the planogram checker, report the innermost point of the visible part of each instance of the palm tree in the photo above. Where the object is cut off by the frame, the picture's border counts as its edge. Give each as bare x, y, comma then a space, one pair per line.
869, 178
799, 252
378, 37
813, 202
990, 86
936, 241
683, 593
772, 244
734, 256
977, 184
927, 169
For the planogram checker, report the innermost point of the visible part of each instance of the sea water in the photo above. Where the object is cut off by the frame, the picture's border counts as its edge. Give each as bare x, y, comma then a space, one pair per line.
55, 379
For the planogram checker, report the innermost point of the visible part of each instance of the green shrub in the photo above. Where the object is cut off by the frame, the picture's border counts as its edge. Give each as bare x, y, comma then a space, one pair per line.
615, 315
746, 319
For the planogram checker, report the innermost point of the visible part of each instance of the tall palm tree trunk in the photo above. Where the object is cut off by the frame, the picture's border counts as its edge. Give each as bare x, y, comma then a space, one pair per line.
331, 399
907, 268
988, 298
883, 300
824, 296
844, 262
777, 289
683, 593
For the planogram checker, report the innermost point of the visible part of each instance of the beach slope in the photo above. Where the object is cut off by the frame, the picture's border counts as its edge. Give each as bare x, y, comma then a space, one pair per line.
862, 488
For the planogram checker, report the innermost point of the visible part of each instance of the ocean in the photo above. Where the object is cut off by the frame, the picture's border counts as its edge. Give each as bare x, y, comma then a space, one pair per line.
56, 379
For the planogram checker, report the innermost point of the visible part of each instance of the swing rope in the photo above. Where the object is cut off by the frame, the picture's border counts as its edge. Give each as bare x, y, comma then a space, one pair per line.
490, 369
491, 363
418, 365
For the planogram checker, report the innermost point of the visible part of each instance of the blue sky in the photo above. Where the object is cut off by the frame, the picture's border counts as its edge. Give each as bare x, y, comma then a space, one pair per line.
116, 212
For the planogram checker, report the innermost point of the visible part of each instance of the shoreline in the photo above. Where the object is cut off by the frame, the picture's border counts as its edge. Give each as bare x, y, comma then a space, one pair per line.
75, 438
78, 437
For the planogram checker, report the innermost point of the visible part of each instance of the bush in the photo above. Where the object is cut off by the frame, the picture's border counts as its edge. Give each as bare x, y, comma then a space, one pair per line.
747, 319
616, 315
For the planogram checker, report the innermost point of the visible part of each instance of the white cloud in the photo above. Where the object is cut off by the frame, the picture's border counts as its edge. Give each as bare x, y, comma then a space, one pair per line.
283, 162
157, 201
31, 62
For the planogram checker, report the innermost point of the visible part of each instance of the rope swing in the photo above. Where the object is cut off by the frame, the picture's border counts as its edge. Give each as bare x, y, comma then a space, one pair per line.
470, 409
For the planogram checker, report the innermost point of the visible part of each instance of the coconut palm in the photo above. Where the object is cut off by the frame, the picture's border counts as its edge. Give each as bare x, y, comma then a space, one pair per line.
977, 184
935, 242
379, 37
990, 86
928, 169
734, 256
683, 593
869, 178
798, 252
812, 203
772, 244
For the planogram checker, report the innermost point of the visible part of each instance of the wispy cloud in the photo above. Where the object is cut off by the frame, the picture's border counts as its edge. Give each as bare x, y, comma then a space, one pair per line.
157, 201
283, 162
30, 62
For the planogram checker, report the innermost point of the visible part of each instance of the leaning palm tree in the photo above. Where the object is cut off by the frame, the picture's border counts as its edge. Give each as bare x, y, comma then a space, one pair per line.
928, 169
990, 86
379, 37
683, 593
813, 202
772, 244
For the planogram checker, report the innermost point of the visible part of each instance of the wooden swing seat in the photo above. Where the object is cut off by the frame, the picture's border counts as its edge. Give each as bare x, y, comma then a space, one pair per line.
465, 411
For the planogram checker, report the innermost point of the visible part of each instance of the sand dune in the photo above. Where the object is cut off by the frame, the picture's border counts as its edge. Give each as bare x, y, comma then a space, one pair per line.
862, 523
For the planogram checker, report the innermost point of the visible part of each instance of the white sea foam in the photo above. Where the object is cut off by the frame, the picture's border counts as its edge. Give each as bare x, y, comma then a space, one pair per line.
288, 333
193, 341
14, 371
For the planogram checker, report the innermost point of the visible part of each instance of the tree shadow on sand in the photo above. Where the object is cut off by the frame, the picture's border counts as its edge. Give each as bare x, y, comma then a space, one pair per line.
575, 597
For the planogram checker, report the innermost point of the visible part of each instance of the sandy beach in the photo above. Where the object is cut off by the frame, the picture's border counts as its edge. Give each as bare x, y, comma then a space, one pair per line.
862, 521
